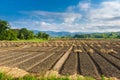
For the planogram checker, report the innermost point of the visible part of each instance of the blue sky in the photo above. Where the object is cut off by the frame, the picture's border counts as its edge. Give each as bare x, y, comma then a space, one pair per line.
62, 15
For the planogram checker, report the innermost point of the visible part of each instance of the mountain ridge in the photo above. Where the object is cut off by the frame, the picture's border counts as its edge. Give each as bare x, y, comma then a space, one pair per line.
61, 33
65, 33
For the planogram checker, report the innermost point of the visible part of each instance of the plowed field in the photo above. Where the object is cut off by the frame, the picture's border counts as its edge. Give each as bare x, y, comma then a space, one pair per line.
84, 57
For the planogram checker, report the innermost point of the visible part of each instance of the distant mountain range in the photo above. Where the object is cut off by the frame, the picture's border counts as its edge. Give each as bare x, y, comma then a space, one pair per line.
59, 34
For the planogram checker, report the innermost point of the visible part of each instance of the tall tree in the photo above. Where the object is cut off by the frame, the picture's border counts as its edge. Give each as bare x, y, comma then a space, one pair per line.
4, 25
42, 35
25, 34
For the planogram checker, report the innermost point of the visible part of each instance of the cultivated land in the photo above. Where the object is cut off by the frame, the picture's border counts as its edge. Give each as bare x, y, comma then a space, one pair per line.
92, 58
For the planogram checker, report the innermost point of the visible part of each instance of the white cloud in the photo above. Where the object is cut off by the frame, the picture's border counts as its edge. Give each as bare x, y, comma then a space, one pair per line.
107, 10
68, 17
106, 16
71, 8
84, 6
83, 17
72, 17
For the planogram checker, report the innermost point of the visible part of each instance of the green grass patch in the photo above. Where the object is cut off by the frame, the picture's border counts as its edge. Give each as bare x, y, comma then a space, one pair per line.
5, 77
30, 77
30, 40
84, 78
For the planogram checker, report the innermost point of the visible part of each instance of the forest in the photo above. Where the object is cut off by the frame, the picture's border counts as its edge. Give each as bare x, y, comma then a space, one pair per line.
108, 35
7, 33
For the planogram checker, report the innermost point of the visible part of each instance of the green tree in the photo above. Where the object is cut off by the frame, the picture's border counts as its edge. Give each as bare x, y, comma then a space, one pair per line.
30, 35
12, 34
118, 36
113, 35
5, 32
42, 35
4, 25
25, 34
9, 35
45, 36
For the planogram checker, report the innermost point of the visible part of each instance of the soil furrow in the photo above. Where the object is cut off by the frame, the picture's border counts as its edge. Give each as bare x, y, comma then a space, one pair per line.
32, 57
85, 59
115, 55
30, 67
106, 68
78, 64
109, 58
70, 65
46, 64
16, 54
17, 59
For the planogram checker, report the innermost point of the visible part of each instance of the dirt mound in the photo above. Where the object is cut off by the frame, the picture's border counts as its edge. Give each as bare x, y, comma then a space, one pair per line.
78, 51
112, 51
108, 51
90, 50
14, 72
52, 73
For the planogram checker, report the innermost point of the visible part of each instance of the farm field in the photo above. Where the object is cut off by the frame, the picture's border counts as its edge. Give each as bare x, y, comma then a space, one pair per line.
92, 58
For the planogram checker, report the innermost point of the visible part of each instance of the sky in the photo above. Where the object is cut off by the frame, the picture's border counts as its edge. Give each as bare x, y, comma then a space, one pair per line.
62, 15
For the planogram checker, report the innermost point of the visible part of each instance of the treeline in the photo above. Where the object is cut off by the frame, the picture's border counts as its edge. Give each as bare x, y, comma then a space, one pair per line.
113, 35
6, 33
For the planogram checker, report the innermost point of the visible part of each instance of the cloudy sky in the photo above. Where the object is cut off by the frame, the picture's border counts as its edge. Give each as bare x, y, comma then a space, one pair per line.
62, 15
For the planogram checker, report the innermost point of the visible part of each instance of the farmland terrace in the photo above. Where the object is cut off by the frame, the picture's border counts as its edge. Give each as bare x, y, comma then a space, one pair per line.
84, 57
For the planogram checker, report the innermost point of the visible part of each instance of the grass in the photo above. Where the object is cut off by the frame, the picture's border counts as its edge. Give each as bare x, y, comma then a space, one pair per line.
30, 77
5, 77
30, 40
